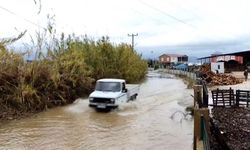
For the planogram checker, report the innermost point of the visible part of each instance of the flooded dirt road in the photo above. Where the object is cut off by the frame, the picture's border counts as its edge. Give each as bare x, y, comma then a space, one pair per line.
156, 120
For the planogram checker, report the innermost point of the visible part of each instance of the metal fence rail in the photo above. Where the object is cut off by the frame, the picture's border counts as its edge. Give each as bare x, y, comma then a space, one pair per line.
204, 134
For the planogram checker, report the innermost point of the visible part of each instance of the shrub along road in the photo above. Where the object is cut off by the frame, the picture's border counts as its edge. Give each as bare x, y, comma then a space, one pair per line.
65, 73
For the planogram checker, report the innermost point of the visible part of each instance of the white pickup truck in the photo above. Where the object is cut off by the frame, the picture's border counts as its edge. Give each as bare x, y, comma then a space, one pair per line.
110, 93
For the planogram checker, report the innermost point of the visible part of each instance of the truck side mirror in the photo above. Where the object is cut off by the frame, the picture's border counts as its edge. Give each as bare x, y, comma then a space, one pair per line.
125, 90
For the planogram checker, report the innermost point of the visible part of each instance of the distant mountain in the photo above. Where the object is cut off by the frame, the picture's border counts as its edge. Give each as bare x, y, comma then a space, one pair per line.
201, 49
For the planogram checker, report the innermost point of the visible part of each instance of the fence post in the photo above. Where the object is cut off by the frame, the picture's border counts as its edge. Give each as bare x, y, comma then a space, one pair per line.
196, 124
198, 113
197, 97
197, 94
205, 94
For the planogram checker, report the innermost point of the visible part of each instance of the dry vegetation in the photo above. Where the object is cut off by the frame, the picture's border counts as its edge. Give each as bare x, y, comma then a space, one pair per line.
66, 72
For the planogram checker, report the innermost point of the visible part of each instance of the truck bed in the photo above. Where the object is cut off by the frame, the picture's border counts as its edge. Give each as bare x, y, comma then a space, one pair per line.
133, 89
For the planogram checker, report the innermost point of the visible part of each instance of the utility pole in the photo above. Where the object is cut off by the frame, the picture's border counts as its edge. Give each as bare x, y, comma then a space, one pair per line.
133, 35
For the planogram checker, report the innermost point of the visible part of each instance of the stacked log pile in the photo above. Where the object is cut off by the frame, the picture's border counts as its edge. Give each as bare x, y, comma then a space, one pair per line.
217, 79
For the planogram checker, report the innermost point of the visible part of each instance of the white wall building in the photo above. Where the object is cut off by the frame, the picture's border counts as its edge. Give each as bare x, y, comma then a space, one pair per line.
217, 67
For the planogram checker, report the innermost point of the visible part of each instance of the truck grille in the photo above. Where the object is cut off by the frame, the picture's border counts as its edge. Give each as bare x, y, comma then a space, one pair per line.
101, 100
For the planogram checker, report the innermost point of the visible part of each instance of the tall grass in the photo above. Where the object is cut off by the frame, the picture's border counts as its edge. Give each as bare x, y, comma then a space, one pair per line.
107, 60
66, 72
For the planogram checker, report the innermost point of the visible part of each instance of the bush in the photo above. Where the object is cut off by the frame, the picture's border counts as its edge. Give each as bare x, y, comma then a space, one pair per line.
64, 74
107, 60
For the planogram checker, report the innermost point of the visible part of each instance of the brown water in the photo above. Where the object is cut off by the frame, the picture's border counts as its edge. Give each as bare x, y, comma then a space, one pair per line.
154, 121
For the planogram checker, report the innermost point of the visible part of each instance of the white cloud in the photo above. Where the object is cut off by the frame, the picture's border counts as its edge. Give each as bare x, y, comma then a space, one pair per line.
158, 22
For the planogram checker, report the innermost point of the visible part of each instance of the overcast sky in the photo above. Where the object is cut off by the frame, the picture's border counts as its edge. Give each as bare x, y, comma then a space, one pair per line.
192, 27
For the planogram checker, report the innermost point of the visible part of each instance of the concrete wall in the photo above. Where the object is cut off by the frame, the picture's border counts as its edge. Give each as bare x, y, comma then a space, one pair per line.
190, 75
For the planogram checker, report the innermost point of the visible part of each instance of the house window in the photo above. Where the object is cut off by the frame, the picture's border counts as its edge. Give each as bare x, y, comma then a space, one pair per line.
218, 66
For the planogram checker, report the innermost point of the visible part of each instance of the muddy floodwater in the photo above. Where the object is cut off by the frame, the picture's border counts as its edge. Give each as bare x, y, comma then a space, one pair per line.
156, 120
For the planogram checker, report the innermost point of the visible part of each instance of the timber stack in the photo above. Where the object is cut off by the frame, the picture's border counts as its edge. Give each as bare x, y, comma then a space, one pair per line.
217, 79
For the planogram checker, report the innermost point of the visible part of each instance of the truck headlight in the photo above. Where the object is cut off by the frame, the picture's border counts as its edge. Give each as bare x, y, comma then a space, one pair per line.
91, 99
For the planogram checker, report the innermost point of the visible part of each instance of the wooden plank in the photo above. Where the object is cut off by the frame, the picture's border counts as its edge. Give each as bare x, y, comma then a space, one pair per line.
242, 98
197, 115
197, 94
199, 144
196, 123
198, 112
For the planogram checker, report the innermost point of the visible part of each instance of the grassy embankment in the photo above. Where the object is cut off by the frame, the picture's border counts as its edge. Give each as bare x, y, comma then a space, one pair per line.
64, 74
190, 83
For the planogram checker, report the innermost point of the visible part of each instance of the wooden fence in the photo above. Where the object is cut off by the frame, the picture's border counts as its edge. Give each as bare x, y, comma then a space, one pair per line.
203, 123
228, 98
223, 97
201, 120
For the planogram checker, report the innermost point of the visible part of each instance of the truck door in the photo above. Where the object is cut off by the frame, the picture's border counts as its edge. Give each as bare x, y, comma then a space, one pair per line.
123, 97
123, 87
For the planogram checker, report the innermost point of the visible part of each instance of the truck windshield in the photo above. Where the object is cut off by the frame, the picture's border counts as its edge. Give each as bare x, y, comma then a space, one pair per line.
108, 86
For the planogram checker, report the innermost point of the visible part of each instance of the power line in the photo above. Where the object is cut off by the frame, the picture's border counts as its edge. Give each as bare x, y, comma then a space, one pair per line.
173, 17
151, 17
194, 14
133, 35
14, 14
166, 14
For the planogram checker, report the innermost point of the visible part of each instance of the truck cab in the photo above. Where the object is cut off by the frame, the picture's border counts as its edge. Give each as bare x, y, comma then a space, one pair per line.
110, 93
